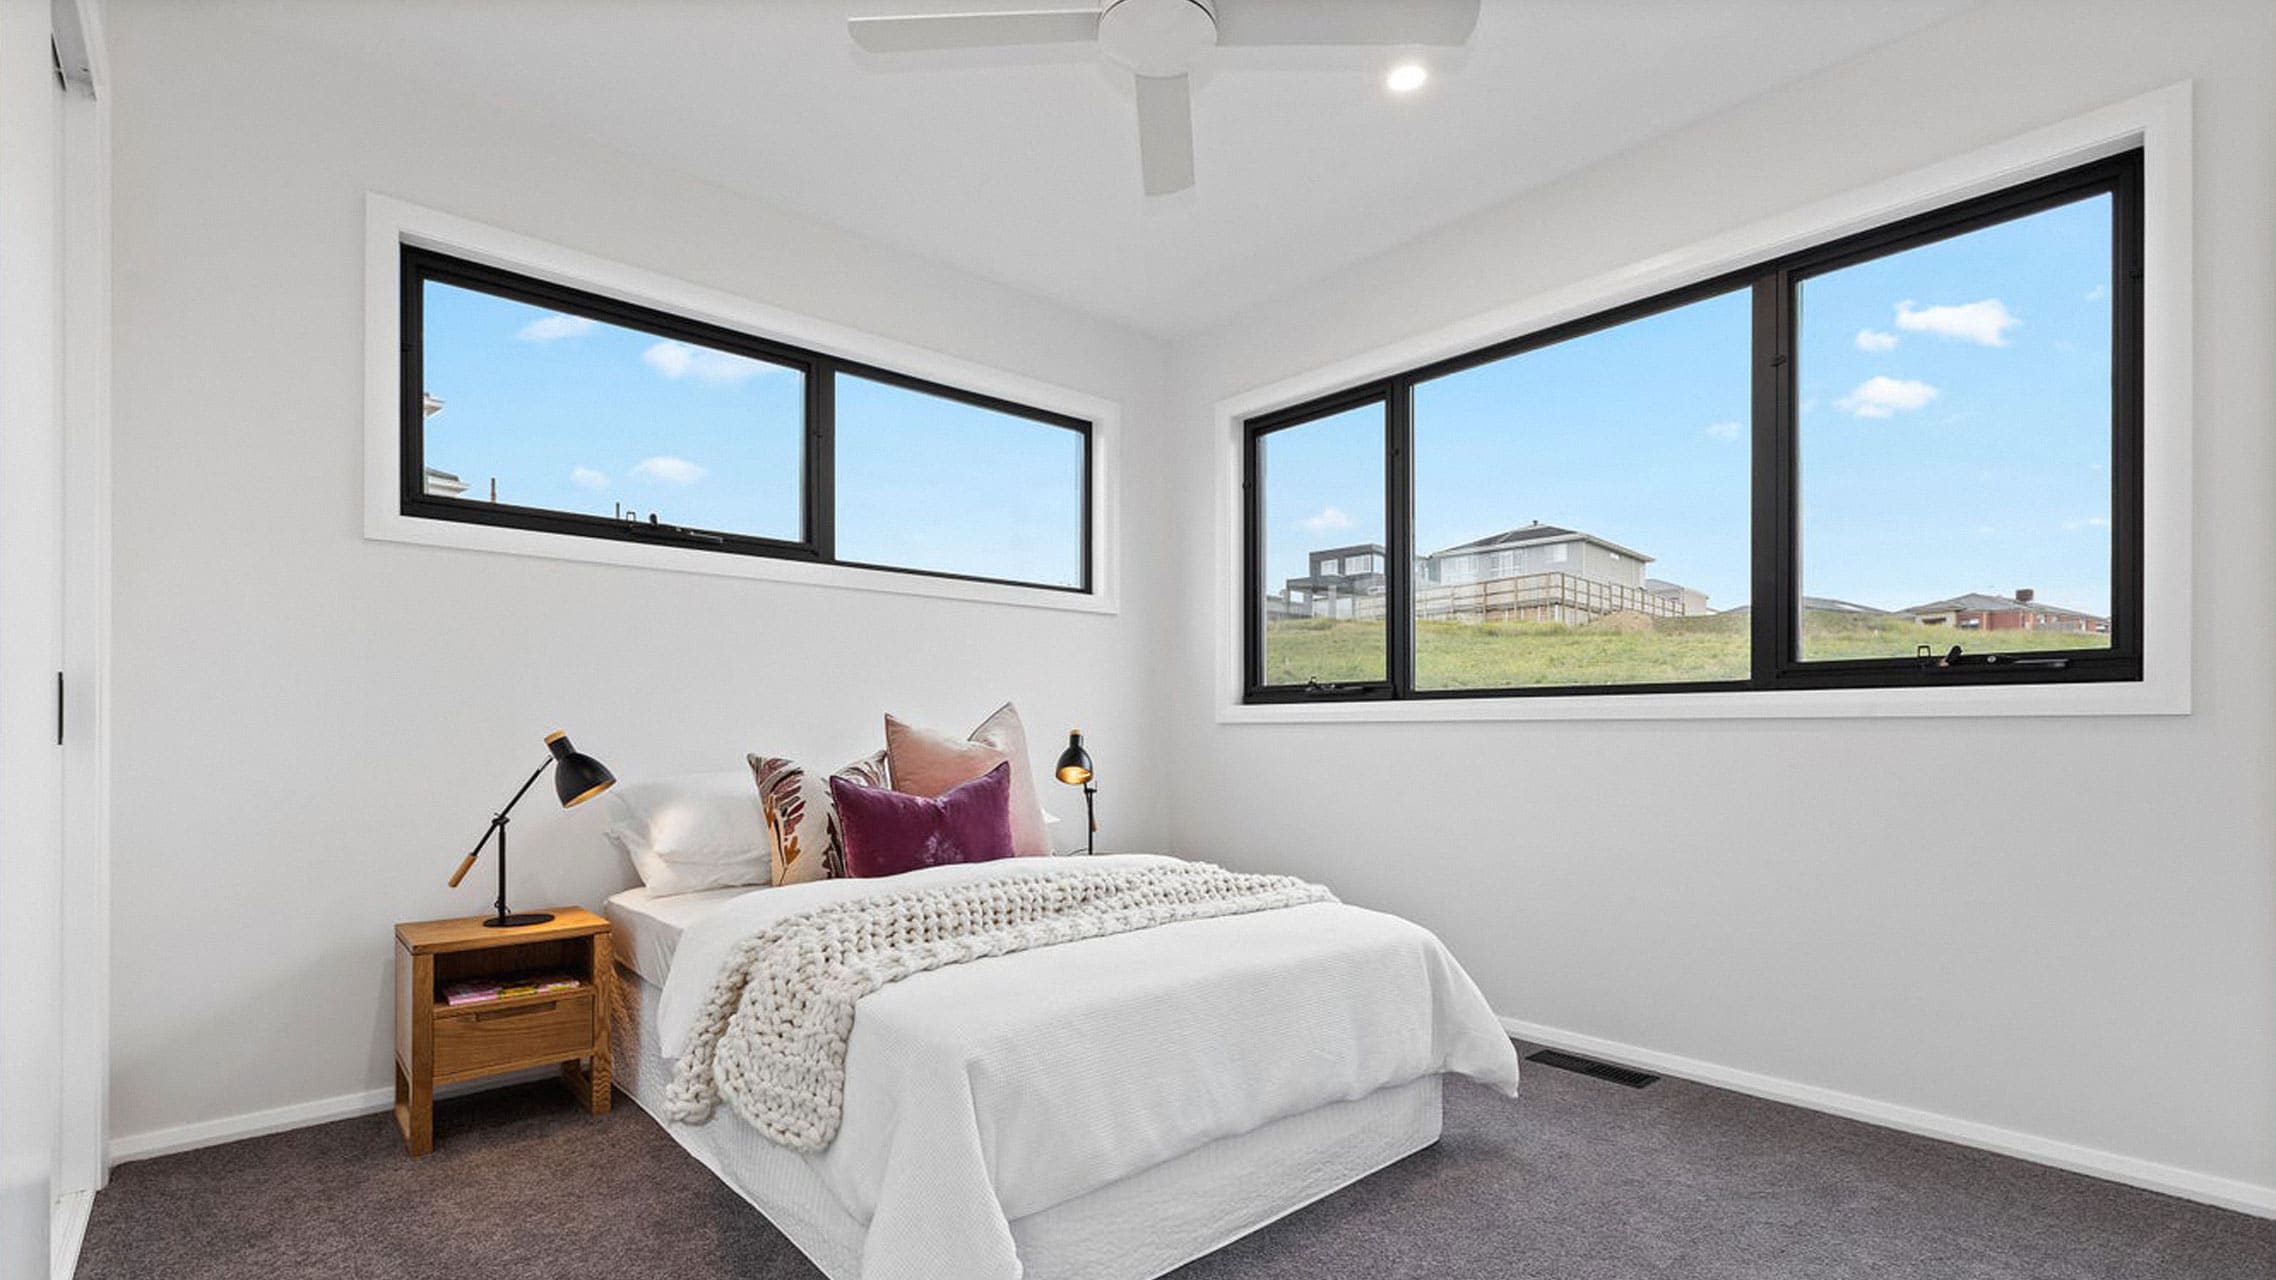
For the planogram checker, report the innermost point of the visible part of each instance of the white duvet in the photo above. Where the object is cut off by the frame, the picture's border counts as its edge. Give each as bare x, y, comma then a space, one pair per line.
983, 1092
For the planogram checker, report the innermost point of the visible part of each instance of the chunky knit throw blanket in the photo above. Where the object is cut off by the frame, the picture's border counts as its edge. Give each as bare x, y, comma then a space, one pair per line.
772, 1033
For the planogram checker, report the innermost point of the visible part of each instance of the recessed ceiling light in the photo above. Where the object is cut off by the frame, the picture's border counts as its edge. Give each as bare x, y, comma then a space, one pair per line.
1406, 77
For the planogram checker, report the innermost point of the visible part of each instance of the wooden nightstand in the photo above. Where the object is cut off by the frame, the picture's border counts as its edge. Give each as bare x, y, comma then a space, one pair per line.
436, 1043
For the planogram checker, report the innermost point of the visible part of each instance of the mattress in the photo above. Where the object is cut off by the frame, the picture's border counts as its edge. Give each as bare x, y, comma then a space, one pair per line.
648, 928
1138, 1228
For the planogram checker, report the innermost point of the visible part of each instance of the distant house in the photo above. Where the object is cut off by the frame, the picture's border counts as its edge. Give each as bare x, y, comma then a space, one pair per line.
1545, 573
1538, 573
437, 482
1536, 548
2024, 611
1344, 582
1690, 601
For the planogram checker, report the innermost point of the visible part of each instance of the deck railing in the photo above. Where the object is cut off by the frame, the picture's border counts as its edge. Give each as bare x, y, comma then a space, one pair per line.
1532, 597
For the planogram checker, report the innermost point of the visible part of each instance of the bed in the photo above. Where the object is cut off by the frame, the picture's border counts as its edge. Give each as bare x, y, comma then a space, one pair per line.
1108, 1109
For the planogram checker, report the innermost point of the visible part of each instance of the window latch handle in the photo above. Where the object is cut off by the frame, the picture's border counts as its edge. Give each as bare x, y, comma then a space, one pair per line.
1954, 657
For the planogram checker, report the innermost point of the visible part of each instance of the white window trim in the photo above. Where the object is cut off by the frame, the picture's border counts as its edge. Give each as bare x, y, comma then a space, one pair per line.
390, 223
2159, 122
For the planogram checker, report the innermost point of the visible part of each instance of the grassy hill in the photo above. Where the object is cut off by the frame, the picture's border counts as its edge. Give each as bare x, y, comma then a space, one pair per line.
1623, 649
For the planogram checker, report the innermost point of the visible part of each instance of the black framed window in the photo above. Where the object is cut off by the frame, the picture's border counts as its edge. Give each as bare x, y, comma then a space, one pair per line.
532, 405
1318, 522
1908, 457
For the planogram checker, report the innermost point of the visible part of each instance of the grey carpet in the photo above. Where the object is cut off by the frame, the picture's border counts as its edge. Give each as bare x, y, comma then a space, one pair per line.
1579, 1180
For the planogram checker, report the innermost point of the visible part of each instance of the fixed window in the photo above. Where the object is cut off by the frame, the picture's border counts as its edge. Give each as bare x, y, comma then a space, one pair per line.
529, 404
1907, 457
1534, 469
956, 487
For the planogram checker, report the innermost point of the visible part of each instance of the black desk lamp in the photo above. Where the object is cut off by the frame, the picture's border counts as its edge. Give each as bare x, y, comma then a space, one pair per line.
1075, 770
579, 778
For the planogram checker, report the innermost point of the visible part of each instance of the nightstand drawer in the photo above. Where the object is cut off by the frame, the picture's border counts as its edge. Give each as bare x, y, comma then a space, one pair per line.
474, 1041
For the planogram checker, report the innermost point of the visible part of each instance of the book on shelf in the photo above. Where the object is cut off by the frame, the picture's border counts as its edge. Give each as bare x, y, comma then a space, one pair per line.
481, 990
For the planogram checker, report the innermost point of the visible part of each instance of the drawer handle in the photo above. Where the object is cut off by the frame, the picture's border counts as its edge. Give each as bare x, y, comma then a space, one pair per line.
495, 1014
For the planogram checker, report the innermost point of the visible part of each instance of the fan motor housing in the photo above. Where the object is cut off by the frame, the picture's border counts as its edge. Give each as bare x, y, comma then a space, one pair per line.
1157, 37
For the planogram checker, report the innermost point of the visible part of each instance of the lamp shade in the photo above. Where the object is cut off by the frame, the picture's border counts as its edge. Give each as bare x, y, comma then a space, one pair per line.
577, 777
1074, 763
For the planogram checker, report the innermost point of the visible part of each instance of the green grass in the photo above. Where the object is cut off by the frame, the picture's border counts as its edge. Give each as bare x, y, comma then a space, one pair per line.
1628, 649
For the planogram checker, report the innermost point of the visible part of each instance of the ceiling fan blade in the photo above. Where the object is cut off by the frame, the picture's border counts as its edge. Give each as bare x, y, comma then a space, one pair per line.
1165, 134
918, 32
1429, 22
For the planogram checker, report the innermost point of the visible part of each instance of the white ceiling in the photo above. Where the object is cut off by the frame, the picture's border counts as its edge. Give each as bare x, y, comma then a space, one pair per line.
1021, 165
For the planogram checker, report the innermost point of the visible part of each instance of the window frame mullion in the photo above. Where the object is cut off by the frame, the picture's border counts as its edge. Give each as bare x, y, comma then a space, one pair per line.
1777, 604
1398, 536
822, 460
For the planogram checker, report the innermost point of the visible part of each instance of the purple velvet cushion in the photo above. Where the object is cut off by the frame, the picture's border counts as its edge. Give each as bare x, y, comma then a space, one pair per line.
887, 833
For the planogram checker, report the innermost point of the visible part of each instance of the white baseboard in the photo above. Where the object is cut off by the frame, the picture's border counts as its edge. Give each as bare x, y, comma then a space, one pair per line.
66, 1228
2227, 1193
253, 1124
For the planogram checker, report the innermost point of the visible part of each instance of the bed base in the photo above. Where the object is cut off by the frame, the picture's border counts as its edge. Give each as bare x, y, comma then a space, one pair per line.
1138, 1228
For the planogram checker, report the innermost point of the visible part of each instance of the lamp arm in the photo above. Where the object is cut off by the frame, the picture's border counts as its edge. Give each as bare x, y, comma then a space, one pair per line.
497, 824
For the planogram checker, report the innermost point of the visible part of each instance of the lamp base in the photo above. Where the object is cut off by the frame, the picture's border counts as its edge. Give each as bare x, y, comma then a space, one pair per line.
518, 920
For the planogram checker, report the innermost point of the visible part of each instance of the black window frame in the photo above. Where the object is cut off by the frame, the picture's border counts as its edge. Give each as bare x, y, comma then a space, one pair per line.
816, 543
1774, 500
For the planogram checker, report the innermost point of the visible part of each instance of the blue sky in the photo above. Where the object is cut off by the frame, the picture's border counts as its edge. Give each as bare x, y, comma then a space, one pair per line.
1955, 432
572, 414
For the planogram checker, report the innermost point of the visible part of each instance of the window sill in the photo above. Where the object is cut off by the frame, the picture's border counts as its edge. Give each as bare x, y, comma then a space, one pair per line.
2142, 698
384, 526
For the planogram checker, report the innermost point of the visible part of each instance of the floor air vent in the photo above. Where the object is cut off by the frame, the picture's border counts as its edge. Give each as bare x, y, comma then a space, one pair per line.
1591, 1067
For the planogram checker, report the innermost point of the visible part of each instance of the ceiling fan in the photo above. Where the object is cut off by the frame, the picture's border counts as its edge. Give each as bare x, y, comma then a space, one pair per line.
1158, 41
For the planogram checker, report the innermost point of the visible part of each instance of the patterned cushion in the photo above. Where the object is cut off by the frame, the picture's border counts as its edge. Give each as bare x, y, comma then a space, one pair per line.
802, 823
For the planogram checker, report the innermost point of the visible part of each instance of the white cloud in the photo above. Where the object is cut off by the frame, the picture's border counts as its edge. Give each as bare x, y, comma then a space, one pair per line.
677, 360
555, 326
2098, 293
1724, 430
1880, 397
1875, 340
2090, 522
587, 478
668, 469
1985, 322
1327, 521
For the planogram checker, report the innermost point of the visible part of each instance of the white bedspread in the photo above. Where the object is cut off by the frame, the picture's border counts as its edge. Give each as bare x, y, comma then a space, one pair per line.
983, 1092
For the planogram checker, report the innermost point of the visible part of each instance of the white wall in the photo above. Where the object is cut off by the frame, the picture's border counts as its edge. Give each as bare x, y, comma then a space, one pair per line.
2062, 928
310, 727
30, 638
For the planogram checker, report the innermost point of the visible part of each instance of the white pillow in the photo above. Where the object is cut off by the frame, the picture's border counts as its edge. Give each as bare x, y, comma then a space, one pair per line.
694, 831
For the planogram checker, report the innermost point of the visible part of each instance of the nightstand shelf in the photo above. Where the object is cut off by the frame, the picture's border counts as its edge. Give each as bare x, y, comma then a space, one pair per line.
437, 1042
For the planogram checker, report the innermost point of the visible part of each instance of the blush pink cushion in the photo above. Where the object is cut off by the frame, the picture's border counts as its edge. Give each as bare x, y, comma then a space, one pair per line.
927, 762
887, 833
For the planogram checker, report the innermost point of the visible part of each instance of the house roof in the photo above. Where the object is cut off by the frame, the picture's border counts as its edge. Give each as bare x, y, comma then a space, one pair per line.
1978, 602
1533, 533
